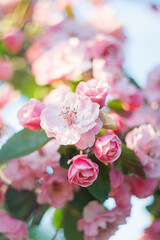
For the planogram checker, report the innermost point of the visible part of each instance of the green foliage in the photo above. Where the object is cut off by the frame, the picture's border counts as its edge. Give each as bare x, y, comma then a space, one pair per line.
58, 217
23, 205
70, 226
23, 143
81, 199
39, 211
101, 187
115, 105
129, 163
25, 83
20, 204
67, 152
2, 237
154, 208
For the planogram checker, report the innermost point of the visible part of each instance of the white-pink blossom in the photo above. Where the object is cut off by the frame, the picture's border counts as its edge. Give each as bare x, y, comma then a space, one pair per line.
72, 120
145, 141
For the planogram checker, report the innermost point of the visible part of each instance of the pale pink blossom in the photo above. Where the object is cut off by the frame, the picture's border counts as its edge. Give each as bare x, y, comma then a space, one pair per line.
145, 142
118, 120
60, 4
55, 191
7, 6
116, 179
123, 197
99, 224
46, 156
82, 171
152, 89
29, 114
104, 20
66, 60
107, 48
152, 232
96, 2
12, 228
20, 175
6, 70
96, 90
13, 40
129, 94
7, 94
71, 120
106, 73
24, 172
108, 148
143, 188
58, 94
45, 13
142, 115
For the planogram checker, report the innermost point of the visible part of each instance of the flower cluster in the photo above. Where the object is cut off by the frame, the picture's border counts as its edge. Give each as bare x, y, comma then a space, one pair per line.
90, 131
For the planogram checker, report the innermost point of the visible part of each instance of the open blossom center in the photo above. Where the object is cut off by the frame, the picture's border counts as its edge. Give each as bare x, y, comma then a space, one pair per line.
69, 114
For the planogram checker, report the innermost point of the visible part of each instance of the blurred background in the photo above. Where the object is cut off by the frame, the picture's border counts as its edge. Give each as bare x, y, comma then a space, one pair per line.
141, 20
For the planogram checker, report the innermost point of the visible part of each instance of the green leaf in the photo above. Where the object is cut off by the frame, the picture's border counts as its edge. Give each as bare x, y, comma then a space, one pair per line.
129, 163
22, 143
101, 187
58, 217
81, 199
70, 226
154, 208
25, 82
19, 204
67, 152
134, 82
39, 211
2, 237
116, 105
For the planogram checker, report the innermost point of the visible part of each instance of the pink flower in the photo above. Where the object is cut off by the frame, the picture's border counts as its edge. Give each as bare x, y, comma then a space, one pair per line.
106, 73
66, 60
6, 70
118, 120
129, 94
55, 191
24, 172
82, 171
20, 175
96, 90
152, 232
29, 114
99, 224
107, 48
12, 228
7, 94
60, 4
72, 120
38, 161
8, 6
143, 188
145, 142
13, 40
57, 93
116, 179
104, 20
152, 89
108, 148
